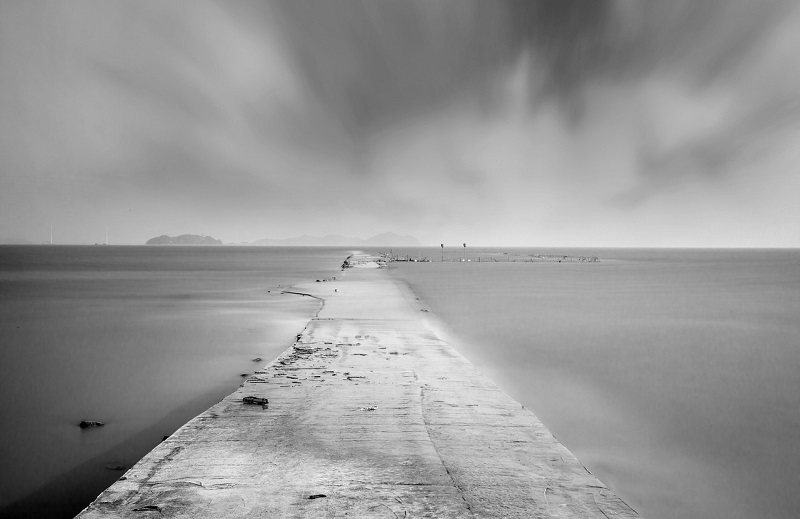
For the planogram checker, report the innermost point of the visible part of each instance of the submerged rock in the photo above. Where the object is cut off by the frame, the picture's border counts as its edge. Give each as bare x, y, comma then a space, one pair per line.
85, 424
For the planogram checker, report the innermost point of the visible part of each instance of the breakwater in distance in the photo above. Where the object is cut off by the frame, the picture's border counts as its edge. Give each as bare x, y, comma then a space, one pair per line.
483, 256
368, 414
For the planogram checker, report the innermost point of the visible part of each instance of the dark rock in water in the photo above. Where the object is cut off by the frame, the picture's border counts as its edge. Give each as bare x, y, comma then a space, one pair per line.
164, 438
85, 424
254, 400
243, 374
116, 466
257, 359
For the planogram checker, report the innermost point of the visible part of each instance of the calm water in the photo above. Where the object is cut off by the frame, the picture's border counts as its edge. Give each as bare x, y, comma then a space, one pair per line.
674, 375
141, 338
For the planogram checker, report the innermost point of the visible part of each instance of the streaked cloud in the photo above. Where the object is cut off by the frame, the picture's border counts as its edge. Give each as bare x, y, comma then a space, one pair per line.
518, 122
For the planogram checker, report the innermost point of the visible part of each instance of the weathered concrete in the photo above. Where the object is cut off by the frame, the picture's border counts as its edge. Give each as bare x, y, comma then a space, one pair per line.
375, 412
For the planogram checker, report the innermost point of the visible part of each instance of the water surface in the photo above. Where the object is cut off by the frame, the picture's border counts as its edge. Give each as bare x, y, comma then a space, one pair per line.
141, 338
673, 375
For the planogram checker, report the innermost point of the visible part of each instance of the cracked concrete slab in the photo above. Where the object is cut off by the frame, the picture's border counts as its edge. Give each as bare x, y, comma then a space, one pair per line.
370, 414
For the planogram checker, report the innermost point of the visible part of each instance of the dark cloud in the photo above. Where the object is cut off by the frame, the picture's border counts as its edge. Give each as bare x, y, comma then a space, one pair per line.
574, 40
379, 60
370, 62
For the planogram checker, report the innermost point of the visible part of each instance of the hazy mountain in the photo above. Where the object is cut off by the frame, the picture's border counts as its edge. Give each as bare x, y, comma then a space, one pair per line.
183, 239
385, 239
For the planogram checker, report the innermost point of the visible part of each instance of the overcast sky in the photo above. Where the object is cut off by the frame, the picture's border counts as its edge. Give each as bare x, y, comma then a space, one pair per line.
669, 123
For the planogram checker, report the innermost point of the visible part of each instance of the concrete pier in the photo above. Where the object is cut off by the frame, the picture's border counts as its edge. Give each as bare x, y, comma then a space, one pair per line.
370, 414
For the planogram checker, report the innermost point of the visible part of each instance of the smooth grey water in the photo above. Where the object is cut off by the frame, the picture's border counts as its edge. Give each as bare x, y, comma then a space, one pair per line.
141, 338
674, 375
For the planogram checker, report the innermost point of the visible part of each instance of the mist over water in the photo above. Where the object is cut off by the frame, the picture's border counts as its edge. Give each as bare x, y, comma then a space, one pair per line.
141, 338
673, 375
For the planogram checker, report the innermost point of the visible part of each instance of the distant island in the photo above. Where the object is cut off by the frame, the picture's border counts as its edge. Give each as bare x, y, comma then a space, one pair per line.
183, 239
386, 239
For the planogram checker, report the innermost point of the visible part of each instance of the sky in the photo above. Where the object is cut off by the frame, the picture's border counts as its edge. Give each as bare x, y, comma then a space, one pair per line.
516, 123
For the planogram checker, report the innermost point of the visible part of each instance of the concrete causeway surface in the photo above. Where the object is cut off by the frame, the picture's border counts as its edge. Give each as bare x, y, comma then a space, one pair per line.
370, 414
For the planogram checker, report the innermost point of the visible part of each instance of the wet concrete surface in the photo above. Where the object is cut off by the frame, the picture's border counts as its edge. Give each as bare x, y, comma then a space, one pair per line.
368, 414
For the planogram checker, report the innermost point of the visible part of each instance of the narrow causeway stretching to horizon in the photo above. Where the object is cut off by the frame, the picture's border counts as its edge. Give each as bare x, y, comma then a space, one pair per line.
367, 414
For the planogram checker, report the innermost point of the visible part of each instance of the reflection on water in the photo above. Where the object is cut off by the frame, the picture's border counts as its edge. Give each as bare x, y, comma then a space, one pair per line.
673, 375
141, 338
